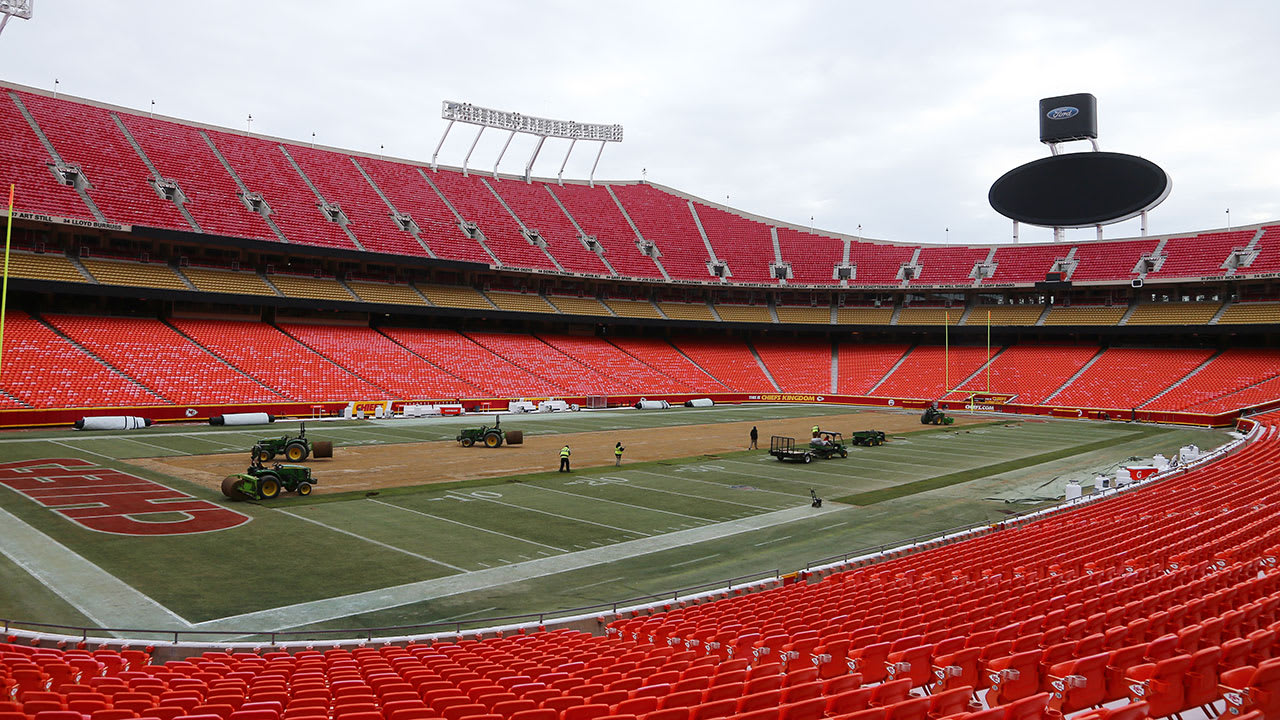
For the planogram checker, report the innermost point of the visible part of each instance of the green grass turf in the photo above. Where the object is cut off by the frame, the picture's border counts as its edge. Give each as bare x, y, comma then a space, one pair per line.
301, 550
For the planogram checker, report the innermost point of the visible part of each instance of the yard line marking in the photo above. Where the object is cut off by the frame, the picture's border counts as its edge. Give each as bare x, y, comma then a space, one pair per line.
698, 497
162, 448
616, 502
385, 598
76, 449
101, 597
371, 540
806, 483
720, 485
466, 614
828, 527
690, 562
562, 517
583, 587
455, 522
194, 436
770, 542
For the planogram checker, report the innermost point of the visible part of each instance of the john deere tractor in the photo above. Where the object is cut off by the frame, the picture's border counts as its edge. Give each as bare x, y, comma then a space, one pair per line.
260, 482
867, 437
490, 437
294, 449
934, 416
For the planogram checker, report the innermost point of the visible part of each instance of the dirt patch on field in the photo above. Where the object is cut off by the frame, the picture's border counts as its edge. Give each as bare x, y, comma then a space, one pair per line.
373, 467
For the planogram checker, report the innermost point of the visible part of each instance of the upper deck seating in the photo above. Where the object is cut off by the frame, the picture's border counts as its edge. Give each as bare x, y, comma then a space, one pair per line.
948, 265
746, 245
25, 163
1023, 264
537, 209
502, 236
87, 136
181, 154
1110, 260
1200, 255
877, 263
595, 211
339, 181
812, 256
407, 189
665, 221
295, 209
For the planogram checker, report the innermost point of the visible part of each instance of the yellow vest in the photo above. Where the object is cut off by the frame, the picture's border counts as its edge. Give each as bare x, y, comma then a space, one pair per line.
564, 451
617, 451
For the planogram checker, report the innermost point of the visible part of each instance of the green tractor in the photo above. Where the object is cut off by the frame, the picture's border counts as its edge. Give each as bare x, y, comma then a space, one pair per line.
871, 438
491, 437
933, 416
260, 482
827, 445
294, 449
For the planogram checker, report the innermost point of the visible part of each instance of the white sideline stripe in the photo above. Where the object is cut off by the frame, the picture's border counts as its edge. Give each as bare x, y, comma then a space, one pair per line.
770, 542
370, 540
76, 449
305, 613
690, 562
602, 582
725, 486
689, 495
619, 502
473, 527
562, 517
100, 596
198, 438
467, 614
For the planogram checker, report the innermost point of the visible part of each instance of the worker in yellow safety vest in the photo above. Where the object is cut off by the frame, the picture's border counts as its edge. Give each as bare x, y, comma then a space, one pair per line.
617, 454
815, 431
564, 459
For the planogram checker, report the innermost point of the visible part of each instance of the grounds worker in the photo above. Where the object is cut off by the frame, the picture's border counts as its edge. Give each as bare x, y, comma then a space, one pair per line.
755, 435
564, 459
617, 454
815, 431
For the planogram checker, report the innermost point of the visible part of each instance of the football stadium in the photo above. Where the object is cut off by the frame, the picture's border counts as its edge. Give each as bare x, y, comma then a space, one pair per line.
291, 431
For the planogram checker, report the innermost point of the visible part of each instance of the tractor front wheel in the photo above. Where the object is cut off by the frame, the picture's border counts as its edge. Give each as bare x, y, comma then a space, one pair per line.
268, 486
296, 452
265, 455
468, 442
304, 489
844, 453
492, 439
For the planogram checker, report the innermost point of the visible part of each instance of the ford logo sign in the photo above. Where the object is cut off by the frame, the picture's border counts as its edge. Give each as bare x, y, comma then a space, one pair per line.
1062, 113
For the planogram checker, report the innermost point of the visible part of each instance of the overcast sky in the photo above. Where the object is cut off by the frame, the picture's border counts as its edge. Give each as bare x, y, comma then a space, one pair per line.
892, 116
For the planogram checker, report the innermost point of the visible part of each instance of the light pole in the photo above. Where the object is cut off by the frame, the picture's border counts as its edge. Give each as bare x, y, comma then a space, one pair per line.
248, 124
153, 109
1228, 219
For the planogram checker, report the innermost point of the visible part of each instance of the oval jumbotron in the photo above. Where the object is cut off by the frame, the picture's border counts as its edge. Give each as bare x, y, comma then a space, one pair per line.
1080, 189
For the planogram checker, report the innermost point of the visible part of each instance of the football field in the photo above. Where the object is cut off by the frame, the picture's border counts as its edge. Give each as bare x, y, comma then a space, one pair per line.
451, 554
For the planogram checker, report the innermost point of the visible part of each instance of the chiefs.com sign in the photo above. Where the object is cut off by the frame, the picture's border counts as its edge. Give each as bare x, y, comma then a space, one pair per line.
111, 501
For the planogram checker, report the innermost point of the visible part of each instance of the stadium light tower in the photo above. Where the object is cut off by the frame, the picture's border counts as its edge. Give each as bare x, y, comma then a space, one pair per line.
15, 8
513, 123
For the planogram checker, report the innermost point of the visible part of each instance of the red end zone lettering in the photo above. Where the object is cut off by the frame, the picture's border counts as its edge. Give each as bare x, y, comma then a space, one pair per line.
110, 501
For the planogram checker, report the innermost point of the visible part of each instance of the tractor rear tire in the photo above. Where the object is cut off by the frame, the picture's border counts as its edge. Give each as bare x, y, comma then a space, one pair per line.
492, 439
468, 442
515, 437
230, 490
295, 452
304, 489
322, 449
268, 486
